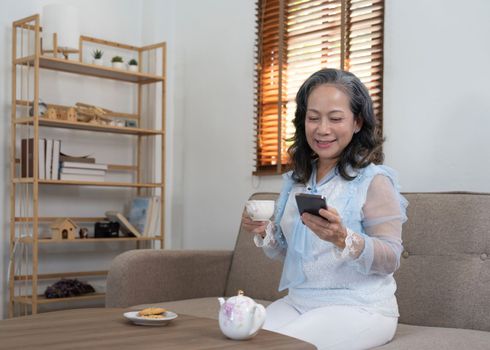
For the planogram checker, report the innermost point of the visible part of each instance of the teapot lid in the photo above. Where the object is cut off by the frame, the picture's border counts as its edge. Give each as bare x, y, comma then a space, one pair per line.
240, 298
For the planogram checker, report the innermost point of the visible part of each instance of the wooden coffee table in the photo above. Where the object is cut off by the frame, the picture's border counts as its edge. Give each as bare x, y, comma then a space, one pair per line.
100, 328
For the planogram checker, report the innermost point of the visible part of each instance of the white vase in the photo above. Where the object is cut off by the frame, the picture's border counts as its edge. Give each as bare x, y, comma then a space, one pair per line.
98, 61
133, 68
118, 65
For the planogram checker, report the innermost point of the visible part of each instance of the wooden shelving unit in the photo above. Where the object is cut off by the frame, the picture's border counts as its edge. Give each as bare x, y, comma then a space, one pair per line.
29, 59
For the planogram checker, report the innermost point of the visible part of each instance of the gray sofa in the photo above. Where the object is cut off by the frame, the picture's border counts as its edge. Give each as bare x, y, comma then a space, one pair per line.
443, 282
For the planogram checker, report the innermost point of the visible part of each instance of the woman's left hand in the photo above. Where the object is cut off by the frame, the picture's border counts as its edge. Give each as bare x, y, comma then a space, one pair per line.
327, 227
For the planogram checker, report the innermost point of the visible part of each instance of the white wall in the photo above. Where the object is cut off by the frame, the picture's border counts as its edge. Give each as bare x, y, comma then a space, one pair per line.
436, 94
158, 24
214, 106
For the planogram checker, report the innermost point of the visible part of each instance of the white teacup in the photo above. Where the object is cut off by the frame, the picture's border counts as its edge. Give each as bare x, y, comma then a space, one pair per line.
260, 210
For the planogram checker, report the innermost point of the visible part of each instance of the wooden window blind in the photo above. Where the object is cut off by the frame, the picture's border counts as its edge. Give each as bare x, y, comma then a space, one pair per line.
296, 38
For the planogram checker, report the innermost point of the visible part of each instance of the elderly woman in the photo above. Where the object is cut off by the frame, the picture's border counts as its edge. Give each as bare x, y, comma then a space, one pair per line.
338, 266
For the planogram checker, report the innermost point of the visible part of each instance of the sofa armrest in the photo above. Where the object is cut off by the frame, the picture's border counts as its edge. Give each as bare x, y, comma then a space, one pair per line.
146, 276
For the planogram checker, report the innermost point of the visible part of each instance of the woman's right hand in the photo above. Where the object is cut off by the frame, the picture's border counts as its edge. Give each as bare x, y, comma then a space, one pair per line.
254, 227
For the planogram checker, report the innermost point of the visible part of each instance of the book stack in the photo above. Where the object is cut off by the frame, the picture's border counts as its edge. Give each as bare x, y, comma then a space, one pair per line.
50, 158
82, 171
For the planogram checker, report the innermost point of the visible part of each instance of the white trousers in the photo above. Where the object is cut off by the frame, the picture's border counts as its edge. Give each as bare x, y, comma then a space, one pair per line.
331, 327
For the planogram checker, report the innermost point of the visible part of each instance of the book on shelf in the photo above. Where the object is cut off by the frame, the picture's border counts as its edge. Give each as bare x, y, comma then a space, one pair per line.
42, 159
143, 217
82, 177
49, 158
27, 158
82, 165
145, 214
125, 225
81, 171
154, 228
55, 162
139, 214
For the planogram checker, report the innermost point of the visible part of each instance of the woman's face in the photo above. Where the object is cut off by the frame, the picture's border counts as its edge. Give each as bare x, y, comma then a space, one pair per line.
329, 123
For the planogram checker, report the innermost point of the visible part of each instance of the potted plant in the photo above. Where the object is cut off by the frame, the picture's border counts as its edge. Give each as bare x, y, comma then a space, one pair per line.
133, 65
117, 62
97, 55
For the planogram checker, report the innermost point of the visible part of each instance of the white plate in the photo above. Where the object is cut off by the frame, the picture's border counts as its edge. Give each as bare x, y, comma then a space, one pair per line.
133, 317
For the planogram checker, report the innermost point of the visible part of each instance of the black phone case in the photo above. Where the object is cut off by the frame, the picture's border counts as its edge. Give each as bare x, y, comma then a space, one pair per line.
310, 203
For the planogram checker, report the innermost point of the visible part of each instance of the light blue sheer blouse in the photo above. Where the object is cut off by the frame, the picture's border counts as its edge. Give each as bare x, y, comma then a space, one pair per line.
314, 271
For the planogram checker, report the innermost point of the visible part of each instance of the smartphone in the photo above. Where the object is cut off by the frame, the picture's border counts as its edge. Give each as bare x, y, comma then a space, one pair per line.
310, 203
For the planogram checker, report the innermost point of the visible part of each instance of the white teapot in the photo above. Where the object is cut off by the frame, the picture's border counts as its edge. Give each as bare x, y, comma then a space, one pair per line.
240, 317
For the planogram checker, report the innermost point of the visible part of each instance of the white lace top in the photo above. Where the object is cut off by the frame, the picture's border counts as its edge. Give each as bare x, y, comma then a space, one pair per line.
316, 272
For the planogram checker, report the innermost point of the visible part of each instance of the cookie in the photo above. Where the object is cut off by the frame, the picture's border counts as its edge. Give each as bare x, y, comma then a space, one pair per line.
152, 311
153, 317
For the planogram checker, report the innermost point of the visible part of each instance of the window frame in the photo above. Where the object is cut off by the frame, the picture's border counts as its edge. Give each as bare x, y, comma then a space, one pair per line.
271, 74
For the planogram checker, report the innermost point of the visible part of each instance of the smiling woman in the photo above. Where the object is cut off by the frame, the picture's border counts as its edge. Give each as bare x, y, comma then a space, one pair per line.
335, 123
329, 125
338, 265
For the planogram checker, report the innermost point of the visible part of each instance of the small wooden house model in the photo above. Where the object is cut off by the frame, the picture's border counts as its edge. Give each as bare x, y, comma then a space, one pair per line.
71, 115
63, 228
51, 114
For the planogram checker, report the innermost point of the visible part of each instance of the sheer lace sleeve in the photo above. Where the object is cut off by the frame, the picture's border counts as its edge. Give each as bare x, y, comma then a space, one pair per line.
273, 244
379, 250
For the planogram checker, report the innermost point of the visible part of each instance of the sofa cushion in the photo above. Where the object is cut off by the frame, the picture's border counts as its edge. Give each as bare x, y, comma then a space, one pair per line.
200, 307
154, 275
429, 338
444, 277
251, 271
